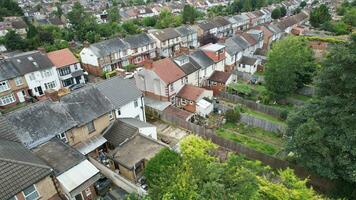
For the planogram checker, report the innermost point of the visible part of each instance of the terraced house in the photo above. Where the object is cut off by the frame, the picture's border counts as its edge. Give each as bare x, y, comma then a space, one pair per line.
105, 56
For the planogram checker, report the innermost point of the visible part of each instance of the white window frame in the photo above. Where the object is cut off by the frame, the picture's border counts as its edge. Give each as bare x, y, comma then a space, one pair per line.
34, 186
18, 81
50, 85
136, 103
111, 115
63, 138
4, 86
6, 98
91, 130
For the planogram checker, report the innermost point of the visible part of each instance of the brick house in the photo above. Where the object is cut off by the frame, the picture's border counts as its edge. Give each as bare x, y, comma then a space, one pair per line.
218, 81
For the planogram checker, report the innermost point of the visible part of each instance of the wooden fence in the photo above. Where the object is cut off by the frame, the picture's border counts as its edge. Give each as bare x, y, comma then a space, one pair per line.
261, 123
318, 183
269, 110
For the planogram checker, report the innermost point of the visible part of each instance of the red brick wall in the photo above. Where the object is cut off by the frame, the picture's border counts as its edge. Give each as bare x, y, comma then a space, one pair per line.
94, 70
190, 107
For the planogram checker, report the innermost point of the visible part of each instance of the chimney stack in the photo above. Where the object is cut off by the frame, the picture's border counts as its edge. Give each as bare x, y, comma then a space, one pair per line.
148, 64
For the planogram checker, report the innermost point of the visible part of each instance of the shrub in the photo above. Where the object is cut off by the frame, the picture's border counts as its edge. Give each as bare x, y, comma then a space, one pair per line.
284, 114
232, 116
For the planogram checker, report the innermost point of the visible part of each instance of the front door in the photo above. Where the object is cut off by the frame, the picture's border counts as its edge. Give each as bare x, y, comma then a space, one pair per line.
40, 91
21, 96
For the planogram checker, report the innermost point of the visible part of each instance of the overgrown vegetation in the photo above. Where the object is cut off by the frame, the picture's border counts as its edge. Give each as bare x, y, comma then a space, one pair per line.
197, 174
323, 131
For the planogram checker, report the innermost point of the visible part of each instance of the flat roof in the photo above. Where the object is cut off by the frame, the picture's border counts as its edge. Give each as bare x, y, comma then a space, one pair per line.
135, 150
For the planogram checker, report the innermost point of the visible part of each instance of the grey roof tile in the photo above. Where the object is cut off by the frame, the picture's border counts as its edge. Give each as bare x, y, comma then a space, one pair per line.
139, 40
199, 58
119, 132
119, 91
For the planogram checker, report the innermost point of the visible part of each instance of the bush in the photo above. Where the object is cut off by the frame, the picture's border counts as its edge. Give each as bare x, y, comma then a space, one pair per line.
232, 116
284, 114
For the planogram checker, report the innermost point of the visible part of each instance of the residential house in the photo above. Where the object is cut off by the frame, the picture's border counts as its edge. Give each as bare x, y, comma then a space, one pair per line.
74, 174
200, 59
195, 99
168, 41
38, 70
191, 70
13, 86
218, 81
239, 22
23, 175
17, 24
161, 79
233, 54
253, 19
105, 56
78, 119
267, 36
68, 67
189, 36
224, 28
142, 47
216, 52
258, 36
248, 64
130, 150
206, 29
127, 99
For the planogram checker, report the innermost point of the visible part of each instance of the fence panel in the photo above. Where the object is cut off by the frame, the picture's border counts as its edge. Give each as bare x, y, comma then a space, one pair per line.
261, 123
275, 112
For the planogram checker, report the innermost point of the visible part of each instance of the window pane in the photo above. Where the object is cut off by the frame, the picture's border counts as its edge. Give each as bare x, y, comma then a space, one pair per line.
29, 190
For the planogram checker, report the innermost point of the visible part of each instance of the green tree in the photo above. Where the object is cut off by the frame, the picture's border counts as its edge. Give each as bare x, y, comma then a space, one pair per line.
290, 65
302, 4
149, 21
167, 19
350, 17
283, 11
77, 15
113, 14
9, 8
276, 13
189, 14
131, 28
260, 3
319, 16
247, 6
14, 41
323, 131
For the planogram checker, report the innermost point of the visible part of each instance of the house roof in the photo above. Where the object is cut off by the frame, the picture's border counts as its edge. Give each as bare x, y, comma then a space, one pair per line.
207, 25
30, 61
8, 70
248, 60
166, 34
179, 113
108, 47
139, 40
86, 104
49, 152
135, 150
199, 58
221, 21
188, 67
185, 30
63, 57
119, 91
238, 40
19, 169
220, 77
136, 123
119, 132
167, 70
190, 92
7, 131
231, 47
39, 122
249, 38
19, 24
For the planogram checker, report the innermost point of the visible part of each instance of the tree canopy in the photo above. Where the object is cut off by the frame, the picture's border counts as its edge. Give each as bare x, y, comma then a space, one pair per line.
323, 131
319, 15
197, 174
9, 8
290, 65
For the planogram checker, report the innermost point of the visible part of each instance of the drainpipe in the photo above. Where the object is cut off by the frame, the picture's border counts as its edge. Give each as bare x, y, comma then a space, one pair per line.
56, 187
143, 108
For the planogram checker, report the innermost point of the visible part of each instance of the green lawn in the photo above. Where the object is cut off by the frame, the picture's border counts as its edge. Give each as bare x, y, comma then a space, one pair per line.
256, 138
248, 141
255, 132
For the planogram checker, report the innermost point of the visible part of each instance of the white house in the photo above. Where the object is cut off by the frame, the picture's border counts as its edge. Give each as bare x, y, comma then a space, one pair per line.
39, 72
68, 67
127, 99
248, 64
161, 80
189, 36
191, 70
